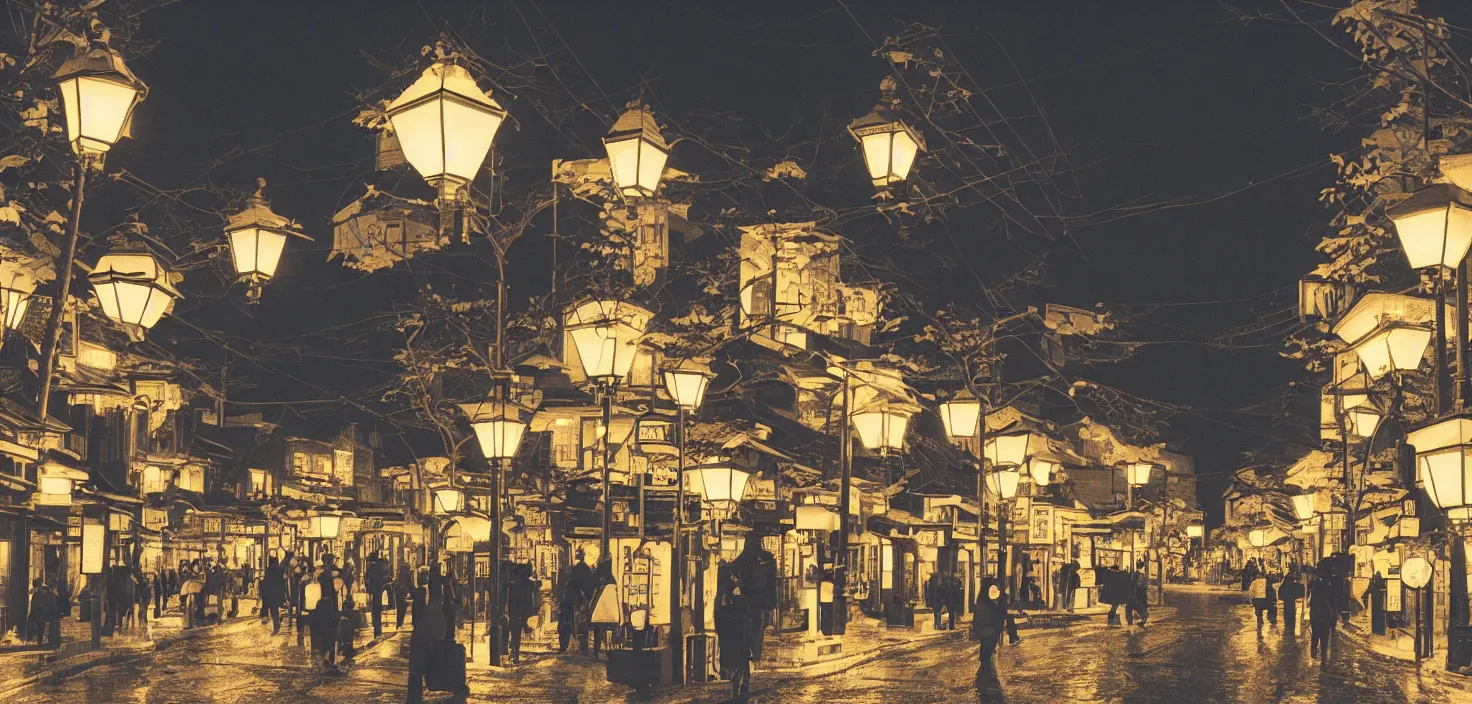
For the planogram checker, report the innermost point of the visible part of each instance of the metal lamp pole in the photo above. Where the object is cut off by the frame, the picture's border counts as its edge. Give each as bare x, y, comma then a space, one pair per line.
64, 268
840, 560
677, 560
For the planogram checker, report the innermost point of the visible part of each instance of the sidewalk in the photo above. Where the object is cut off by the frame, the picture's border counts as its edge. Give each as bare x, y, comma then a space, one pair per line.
22, 666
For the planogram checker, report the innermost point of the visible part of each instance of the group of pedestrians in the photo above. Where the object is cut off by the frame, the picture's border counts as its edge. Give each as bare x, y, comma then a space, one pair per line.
944, 591
1128, 589
1326, 586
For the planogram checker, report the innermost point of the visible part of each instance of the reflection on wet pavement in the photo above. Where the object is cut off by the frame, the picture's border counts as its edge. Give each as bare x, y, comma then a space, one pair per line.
1206, 650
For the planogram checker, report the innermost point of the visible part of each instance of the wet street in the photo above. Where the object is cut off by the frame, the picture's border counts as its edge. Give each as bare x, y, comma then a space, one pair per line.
1204, 649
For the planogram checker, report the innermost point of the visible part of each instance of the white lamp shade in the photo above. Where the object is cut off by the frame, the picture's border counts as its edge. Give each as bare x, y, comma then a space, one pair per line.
325, 525
961, 416
1042, 470
445, 124
718, 483
499, 439
1434, 226
15, 299
98, 94
1396, 347
1445, 475
889, 145
132, 288
636, 153
1008, 449
1303, 506
882, 429
1003, 481
448, 500
1138, 473
606, 336
819, 518
687, 386
256, 251
472, 528
1195, 531
1362, 420
1379, 310
1257, 537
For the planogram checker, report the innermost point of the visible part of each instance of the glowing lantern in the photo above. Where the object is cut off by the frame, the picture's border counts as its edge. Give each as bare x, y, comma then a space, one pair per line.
445, 125
1444, 461
1387, 331
819, 518
324, 525
1434, 225
98, 94
1195, 530
16, 288
1138, 473
1003, 481
257, 237
882, 429
890, 145
1361, 420
961, 415
718, 483
605, 335
687, 386
1008, 449
636, 152
498, 427
1042, 469
1303, 506
132, 288
448, 500
1257, 537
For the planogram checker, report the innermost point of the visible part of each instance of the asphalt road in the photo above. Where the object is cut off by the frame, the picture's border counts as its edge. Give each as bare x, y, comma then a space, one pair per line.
1203, 649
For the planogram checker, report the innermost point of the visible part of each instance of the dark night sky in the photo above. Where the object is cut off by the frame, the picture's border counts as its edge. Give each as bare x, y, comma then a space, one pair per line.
1154, 101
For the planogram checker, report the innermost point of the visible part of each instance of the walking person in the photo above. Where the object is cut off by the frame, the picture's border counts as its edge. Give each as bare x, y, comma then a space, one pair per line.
1290, 590
571, 605
1261, 602
43, 604
935, 595
429, 632
1323, 617
376, 581
955, 598
273, 594
1070, 585
987, 623
733, 629
324, 620
756, 571
403, 595
524, 600
1249, 573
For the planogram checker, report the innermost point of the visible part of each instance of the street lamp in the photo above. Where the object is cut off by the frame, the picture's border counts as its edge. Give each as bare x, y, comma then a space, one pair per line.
1137, 474
719, 483
1386, 331
1003, 481
883, 428
445, 125
98, 94
1041, 469
1195, 530
636, 152
133, 288
1257, 537
16, 288
1444, 464
257, 236
961, 415
1008, 449
448, 501
1434, 226
324, 524
686, 385
605, 336
890, 144
498, 430
1303, 506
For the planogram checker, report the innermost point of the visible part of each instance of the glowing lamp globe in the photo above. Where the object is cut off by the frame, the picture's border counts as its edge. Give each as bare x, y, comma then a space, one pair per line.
1388, 331
1138, 473
1041, 469
324, 525
718, 483
961, 415
1361, 421
1444, 461
605, 335
257, 237
1195, 531
1257, 537
448, 501
636, 152
686, 385
16, 289
1008, 449
132, 288
1434, 225
445, 125
98, 95
882, 429
1003, 481
498, 427
890, 145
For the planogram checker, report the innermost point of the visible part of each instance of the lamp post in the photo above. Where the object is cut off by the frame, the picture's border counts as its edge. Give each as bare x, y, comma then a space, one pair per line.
605, 335
98, 95
889, 144
257, 237
686, 385
1444, 469
498, 430
446, 124
637, 153
963, 418
719, 485
1007, 453
1434, 226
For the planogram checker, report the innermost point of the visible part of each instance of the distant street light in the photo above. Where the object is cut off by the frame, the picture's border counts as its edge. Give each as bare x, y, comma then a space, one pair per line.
257, 236
637, 152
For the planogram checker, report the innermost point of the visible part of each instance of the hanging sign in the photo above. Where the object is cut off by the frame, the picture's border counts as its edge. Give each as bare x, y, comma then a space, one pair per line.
93, 547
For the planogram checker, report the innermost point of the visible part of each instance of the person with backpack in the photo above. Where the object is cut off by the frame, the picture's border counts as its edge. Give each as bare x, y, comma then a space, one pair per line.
756, 571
